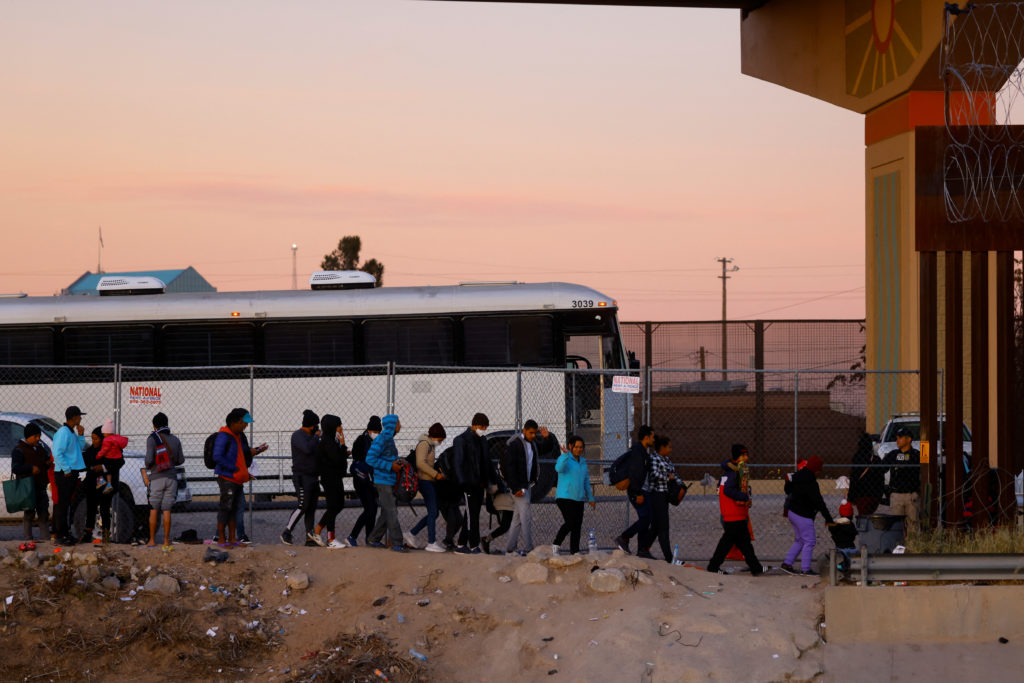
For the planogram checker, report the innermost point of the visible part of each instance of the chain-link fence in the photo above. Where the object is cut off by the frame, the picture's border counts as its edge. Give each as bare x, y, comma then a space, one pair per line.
783, 416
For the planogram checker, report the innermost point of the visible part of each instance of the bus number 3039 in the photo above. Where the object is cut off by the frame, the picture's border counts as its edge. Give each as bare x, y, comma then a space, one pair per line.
582, 303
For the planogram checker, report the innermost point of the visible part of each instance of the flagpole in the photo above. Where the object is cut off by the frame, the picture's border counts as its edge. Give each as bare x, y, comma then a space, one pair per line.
99, 252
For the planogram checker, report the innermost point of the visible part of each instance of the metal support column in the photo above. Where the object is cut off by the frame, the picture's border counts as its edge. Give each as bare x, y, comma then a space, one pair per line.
1005, 410
954, 380
796, 419
928, 332
519, 397
759, 406
979, 388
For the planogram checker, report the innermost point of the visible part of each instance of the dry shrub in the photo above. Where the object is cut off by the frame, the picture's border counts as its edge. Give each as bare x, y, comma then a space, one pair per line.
948, 541
361, 658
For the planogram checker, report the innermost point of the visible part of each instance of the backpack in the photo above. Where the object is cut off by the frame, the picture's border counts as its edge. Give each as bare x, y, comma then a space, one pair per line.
411, 458
208, 451
445, 463
618, 472
407, 483
162, 454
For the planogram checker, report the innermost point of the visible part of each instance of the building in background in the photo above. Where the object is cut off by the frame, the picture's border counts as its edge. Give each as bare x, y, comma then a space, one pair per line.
179, 280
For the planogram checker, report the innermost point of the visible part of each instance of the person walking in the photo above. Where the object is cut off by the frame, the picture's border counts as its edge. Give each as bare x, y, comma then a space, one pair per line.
520, 468
639, 456
500, 504
661, 473
163, 454
30, 458
332, 462
572, 491
734, 504
805, 502
473, 469
383, 458
426, 450
904, 464
68, 444
362, 480
305, 478
232, 457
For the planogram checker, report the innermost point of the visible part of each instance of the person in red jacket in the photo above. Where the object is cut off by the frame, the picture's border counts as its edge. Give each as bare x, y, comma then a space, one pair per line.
734, 503
111, 457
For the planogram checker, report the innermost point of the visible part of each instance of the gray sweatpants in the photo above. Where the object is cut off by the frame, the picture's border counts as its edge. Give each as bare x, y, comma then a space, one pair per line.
522, 519
388, 517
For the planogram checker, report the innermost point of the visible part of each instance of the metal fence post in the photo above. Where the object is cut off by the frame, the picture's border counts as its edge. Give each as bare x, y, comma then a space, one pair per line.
392, 382
796, 418
648, 377
117, 397
519, 397
252, 406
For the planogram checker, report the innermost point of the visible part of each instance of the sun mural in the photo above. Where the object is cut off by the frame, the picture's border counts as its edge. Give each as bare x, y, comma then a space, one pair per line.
883, 39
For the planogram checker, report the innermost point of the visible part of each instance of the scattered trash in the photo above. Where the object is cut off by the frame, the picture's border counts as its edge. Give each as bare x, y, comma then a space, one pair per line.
253, 624
401, 619
380, 674
552, 672
1004, 641
755, 629
9, 599
215, 556
380, 601
548, 639
899, 550
594, 619
593, 643
556, 656
505, 579
544, 616
424, 602
202, 588
290, 553
302, 611
708, 593
212, 631
418, 655
126, 599
775, 656
381, 617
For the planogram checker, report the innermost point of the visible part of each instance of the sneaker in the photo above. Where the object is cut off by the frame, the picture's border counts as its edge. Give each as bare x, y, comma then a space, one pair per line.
449, 547
462, 549
809, 572
310, 543
622, 544
335, 543
101, 484
86, 538
434, 547
374, 544
476, 551
316, 538
409, 539
399, 549
485, 543
286, 537
352, 542
521, 553
244, 539
645, 554
554, 550
788, 568
108, 489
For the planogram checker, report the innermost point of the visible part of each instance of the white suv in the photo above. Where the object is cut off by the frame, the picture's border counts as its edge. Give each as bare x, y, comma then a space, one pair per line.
129, 507
886, 441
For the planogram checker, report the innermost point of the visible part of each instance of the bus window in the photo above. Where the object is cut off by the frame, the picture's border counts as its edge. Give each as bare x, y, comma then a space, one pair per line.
125, 344
518, 340
298, 343
26, 346
186, 345
411, 342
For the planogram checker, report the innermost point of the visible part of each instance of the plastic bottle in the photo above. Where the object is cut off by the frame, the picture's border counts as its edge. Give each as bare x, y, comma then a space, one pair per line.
675, 554
418, 655
591, 542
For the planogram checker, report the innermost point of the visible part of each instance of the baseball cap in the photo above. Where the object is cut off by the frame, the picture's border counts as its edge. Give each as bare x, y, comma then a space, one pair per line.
247, 419
72, 411
903, 431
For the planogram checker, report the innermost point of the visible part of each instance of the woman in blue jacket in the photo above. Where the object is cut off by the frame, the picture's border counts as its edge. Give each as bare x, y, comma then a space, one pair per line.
572, 491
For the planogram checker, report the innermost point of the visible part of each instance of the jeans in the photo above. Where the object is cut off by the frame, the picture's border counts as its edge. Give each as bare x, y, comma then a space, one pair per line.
307, 490
388, 518
368, 498
572, 514
737, 534
240, 515
41, 513
430, 521
522, 520
643, 522
803, 531
659, 529
230, 495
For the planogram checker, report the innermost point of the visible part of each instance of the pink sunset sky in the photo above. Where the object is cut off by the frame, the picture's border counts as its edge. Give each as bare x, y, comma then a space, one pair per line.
615, 147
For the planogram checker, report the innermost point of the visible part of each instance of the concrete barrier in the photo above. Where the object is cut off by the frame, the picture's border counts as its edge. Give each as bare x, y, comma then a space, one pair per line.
923, 614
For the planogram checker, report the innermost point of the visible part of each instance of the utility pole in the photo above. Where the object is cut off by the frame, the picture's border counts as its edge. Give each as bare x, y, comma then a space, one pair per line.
295, 270
726, 269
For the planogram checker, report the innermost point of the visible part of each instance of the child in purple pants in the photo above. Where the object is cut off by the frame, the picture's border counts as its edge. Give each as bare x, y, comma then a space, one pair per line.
805, 502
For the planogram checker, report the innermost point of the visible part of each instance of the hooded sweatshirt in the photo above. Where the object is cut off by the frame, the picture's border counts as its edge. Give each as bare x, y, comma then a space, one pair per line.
425, 457
331, 456
732, 500
230, 452
383, 452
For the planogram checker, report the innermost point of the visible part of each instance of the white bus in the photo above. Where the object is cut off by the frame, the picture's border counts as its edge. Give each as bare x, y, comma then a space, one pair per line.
196, 356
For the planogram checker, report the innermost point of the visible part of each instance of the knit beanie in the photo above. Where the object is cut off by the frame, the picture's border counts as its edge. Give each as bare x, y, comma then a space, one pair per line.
310, 419
374, 424
738, 449
436, 431
108, 426
846, 509
814, 464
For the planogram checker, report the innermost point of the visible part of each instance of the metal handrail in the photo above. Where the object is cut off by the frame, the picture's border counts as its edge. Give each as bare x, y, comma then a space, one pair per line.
930, 567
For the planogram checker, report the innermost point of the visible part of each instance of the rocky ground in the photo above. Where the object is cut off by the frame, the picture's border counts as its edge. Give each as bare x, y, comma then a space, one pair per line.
357, 614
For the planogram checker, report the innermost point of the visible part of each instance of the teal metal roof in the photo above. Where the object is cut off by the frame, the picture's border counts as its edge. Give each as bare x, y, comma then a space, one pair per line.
177, 280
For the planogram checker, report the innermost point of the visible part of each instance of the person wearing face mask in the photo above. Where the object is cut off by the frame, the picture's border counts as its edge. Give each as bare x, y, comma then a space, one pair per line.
362, 479
384, 459
332, 459
473, 470
426, 450
304, 443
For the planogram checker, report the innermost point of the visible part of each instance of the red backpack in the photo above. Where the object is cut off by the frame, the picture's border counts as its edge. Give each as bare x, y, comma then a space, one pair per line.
407, 482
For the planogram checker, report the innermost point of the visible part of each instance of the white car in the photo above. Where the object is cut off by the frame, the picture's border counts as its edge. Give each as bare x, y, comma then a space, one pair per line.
886, 441
130, 505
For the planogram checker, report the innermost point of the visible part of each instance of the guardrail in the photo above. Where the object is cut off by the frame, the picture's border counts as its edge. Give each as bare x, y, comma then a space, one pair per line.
960, 567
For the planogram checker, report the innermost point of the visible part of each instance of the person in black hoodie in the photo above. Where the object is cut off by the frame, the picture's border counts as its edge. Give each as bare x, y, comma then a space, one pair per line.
473, 470
305, 477
867, 477
638, 464
362, 479
805, 502
95, 498
520, 468
31, 458
332, 462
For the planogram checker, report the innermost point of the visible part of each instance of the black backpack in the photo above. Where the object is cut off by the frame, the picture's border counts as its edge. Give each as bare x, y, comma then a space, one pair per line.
411, 458
208, 451
445, 463
618, 471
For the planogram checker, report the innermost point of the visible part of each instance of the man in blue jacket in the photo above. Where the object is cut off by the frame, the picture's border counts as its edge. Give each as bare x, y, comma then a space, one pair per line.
638, 463
383, 458
68, 444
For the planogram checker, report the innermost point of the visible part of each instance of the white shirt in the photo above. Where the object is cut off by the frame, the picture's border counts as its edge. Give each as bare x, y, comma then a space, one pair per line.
528, 448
